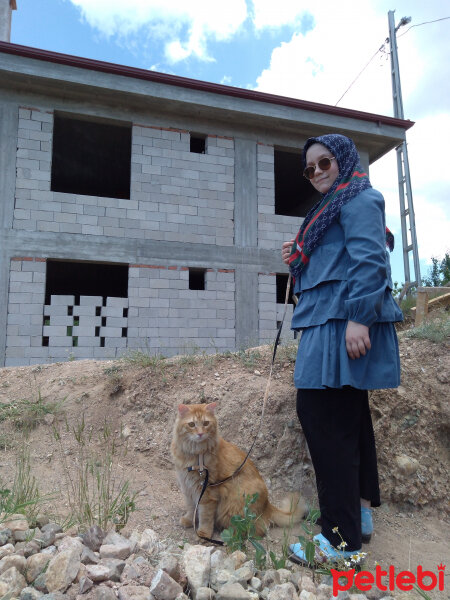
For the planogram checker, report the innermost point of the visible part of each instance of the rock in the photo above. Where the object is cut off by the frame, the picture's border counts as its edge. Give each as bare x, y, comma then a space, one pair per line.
115, 566
39, 583
5, 536
197, 565
242, 575
163, 587
85, 585
235, 560
305, 595
134, 592
222, 577
88, 557
69, 543
97, 572
45, 538
51, 528
29, 593
12, 581
54, 596
42, 520
285, 591
171, 566
16, 523
103, 593
232, 591
285, 575
305, 582
361, 597
325, 590
406, 464
256, 583
24, 536
31, 548
140, 572
62, 570
121, 550
270, 578
13, 560
50, 551
205, 593
148, 541
6, 550
342, 595
93, 538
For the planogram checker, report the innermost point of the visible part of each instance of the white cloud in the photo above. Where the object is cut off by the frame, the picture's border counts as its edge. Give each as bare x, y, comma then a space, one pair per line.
184, 27
267, 13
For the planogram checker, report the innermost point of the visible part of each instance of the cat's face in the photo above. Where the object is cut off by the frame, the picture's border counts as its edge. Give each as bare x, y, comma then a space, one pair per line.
197, 422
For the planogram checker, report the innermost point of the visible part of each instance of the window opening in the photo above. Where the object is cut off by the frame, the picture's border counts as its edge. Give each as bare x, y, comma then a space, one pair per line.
99, 281
294, 195
281, 282
91, 158
197, 279
198, 143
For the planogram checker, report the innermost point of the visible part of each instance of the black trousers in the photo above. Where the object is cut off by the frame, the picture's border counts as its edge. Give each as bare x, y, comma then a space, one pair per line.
339, 432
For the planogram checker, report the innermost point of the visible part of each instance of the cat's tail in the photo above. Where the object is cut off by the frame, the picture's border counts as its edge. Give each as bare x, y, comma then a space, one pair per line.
292, 510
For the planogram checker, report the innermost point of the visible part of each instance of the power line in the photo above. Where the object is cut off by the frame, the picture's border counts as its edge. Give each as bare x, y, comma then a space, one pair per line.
424, 23
380, 49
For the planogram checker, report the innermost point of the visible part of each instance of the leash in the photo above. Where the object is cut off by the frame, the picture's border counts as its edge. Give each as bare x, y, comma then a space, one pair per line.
201, 468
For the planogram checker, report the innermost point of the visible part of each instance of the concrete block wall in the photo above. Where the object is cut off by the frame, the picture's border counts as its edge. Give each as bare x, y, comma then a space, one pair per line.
271, 312
25, 310
73, 331
273, 229
180, 195
166, 317
175, 195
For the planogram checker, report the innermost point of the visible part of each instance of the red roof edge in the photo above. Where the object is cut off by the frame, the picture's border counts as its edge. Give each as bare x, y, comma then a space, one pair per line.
194, 84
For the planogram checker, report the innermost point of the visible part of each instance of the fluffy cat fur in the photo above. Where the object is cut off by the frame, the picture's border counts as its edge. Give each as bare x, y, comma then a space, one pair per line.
195, 432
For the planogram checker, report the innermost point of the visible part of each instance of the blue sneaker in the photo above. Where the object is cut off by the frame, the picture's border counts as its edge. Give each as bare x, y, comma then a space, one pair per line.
325, 553
366, 524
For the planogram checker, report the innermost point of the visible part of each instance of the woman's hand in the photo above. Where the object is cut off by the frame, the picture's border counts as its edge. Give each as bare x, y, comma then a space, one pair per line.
286, 251
357, 339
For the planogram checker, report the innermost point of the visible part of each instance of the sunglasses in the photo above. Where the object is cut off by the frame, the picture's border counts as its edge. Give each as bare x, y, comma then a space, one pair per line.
324, 164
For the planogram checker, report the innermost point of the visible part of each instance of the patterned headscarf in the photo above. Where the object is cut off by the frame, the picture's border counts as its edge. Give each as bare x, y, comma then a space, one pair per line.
349, 183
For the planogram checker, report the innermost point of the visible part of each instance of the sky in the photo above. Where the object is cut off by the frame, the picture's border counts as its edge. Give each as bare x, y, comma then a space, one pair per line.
330, 52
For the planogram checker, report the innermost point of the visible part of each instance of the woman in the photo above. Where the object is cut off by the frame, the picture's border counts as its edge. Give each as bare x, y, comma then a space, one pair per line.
348, 345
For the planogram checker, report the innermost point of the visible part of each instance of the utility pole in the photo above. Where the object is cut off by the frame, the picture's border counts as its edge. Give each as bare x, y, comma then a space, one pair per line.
408, 223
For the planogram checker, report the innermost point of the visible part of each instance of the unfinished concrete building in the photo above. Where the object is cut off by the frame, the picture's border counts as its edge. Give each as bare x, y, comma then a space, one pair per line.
140, 210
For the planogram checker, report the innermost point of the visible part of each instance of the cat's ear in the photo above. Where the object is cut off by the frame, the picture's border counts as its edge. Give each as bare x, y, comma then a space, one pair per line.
211, 407
183, 410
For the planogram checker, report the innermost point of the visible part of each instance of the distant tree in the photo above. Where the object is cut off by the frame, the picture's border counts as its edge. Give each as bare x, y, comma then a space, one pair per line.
439, 272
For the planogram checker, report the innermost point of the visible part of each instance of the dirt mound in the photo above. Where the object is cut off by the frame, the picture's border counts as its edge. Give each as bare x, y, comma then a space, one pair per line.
139, 400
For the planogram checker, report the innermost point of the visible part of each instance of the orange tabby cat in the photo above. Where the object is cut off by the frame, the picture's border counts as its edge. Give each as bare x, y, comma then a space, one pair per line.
196, 432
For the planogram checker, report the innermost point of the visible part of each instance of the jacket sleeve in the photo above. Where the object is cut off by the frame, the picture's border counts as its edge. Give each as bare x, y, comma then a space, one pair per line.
363, 222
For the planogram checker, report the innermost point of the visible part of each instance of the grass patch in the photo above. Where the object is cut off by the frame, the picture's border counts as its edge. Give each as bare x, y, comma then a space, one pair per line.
27, 414
139, 358
436, 330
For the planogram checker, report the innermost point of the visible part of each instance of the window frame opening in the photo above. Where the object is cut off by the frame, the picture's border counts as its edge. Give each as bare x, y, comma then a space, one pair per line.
294, 195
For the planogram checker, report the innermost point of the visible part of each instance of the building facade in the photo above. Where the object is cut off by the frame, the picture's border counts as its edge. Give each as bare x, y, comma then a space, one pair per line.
146, 211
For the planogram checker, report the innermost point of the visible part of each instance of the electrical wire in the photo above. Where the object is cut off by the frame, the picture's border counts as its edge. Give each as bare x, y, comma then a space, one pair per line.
380, 49
419, 24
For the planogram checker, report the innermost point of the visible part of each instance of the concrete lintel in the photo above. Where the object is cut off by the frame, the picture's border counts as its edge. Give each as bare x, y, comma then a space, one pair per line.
119, 250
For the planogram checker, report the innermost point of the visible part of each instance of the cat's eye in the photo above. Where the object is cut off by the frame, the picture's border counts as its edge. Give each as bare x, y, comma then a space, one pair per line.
191, 424
205, 423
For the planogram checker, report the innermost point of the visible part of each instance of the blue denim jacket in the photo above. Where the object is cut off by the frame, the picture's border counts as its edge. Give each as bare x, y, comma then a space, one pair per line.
349, 275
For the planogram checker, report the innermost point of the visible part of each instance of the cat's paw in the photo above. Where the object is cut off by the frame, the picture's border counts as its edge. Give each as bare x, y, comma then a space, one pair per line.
186, 521
205, 533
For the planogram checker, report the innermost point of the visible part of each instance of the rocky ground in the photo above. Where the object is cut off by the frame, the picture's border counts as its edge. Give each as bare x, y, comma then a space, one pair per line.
137, 400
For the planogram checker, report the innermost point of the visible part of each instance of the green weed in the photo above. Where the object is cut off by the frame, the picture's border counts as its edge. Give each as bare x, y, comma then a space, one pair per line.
96, 494
27, 414
436, 330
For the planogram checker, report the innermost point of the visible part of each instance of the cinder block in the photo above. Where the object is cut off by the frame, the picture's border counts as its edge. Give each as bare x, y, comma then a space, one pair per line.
119, 302
57, 300
89, 321
116, 322
54, 330
111, 332
84, 331
67, 321
112, 311
91, 301
115, 342
88, 342
59, 342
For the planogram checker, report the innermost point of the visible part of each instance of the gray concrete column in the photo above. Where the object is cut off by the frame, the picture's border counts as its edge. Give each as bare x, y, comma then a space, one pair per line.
9, 122
247, 322
245, 196
6, 7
